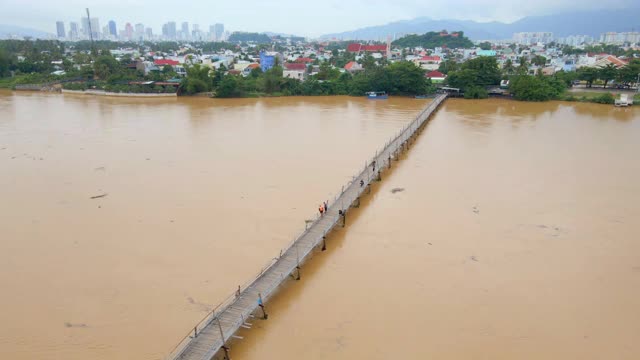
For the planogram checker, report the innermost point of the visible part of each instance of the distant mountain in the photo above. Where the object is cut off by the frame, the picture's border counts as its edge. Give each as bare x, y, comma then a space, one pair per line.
591, 23
12, 30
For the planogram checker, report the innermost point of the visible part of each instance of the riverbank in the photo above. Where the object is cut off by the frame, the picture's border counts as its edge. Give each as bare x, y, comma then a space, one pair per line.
106, 93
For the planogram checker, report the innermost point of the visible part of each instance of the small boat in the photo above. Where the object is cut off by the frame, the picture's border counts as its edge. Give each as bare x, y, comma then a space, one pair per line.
377, 95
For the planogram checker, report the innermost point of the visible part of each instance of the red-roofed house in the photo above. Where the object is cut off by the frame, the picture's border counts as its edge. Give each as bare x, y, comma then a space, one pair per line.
357, 48
295, 71
435, 76
611, 60
428, 62
353, 66
163, 62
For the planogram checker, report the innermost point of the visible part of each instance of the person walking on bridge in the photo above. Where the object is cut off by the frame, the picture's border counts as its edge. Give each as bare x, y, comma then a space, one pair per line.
326, 206
321, 209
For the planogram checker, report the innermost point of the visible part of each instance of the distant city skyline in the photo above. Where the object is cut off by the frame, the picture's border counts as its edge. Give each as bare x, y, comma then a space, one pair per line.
284, 16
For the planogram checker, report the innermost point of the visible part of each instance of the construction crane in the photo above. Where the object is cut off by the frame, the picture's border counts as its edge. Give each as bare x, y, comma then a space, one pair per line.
90, 30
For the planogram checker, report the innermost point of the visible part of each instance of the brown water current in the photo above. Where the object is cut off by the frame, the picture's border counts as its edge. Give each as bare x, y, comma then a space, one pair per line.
123, 221
509, 231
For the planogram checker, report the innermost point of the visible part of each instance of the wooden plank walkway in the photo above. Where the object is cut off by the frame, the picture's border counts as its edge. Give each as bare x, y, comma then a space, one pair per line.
212, 333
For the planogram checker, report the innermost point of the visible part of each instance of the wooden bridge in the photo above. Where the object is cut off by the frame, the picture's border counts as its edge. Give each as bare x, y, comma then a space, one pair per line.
212, 334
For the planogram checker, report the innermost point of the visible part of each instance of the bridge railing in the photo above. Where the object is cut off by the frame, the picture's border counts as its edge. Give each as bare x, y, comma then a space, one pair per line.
392, 145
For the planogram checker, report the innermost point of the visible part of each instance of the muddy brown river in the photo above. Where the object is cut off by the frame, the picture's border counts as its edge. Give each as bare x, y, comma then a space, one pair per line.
508, 231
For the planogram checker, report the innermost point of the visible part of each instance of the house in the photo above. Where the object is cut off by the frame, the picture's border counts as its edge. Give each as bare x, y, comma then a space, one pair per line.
304, 60
269, 60
353, 67
246, 71
295, 71
164, 62
358, 48
429, 62
610, 59
436, 76
486, 53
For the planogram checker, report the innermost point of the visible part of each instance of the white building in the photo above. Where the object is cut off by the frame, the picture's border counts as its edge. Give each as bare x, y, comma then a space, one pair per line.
531, 38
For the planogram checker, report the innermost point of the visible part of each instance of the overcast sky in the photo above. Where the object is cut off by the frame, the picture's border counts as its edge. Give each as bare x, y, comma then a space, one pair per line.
306, 18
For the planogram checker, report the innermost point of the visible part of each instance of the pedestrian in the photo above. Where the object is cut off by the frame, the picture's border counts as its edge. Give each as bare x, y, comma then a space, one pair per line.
326, 206
321, 209
361, 183
374, 166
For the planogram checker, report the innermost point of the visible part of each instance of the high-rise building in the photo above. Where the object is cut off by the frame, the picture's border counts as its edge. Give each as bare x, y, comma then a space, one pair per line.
73, 30
60, 29
139, 32
532, 38
212, 33
94, 25
185, 30
219, 31
169, 30
95, 28
113, 30
148, 32
128, 31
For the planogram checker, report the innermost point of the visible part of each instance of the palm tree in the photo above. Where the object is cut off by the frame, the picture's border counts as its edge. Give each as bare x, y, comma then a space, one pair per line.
508, 67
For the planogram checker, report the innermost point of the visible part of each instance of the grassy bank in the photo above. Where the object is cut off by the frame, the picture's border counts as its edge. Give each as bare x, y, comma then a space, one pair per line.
598, 97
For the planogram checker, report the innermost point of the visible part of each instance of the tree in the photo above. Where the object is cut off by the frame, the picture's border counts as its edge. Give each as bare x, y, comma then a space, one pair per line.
105, 65
535, 88
482, 71
607, 73
508, 67
448, 66
588, 74
539, 60
407, 78
5, 63
229, 87
485, 45
523, 67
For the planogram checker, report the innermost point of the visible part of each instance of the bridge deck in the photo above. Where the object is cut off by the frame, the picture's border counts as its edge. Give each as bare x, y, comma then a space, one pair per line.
217, 328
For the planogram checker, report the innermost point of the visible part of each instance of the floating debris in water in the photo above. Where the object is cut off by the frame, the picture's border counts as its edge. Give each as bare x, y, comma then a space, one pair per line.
71, 325
397, 190
99, 196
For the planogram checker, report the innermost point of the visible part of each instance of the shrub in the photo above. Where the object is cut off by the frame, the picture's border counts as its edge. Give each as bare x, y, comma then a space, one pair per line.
476, 92
604, 99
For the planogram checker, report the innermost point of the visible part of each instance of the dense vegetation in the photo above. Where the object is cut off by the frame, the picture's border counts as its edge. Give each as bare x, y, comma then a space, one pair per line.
238, 37
400, 78
474, 75
432, 40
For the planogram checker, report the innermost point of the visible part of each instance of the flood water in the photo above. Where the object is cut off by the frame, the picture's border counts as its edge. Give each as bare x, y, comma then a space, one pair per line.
508, 231
516, 236
200, 194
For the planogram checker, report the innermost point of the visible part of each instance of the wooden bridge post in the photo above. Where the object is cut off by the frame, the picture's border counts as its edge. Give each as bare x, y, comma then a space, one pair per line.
389, 160
265, 316
379, 177
224, 345
324, 242
297, 277
369, 188
356, 202
343, 214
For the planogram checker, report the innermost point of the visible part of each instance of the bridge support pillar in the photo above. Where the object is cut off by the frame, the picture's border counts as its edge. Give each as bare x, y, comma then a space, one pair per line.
369, 188
297, 273
324, 242
379, 177
343, 214
265, 316
389, 162
356, 202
